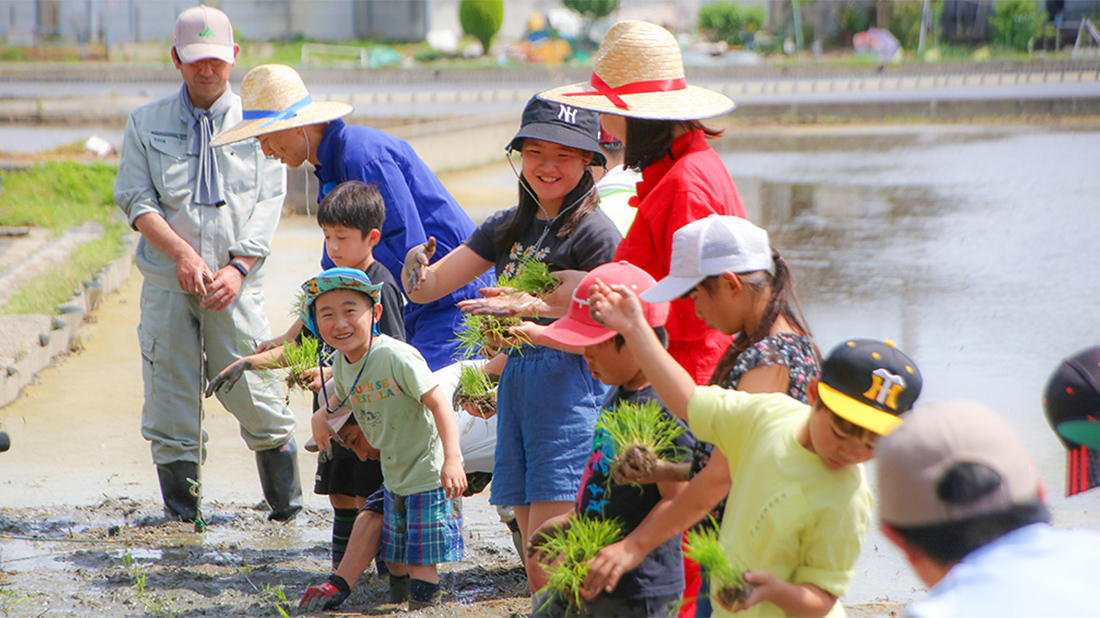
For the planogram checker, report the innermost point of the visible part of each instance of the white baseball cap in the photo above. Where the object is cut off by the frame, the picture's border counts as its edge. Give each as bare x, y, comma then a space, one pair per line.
708, 247
203, 32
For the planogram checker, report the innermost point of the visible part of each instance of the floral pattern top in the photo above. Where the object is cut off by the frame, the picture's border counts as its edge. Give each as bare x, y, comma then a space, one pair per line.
796, 352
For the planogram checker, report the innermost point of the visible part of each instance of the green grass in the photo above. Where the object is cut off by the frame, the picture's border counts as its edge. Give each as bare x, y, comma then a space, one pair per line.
59, 196
567, 553
44, 293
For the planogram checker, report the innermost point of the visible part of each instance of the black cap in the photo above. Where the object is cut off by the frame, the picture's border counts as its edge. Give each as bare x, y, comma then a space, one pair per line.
1071, 402
1072, 399
869, 383
560, 124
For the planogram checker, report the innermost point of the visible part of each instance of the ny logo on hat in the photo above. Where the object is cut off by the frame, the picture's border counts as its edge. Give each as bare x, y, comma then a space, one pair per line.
885, 388
567, 114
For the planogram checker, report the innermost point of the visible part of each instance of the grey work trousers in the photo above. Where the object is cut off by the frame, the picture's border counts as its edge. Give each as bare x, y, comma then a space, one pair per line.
169, 335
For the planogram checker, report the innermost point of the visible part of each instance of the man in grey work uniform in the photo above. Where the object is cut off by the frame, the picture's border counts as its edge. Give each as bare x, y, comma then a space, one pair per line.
206, 217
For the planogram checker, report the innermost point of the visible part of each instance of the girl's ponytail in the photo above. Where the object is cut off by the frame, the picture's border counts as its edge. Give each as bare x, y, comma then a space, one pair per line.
782, 301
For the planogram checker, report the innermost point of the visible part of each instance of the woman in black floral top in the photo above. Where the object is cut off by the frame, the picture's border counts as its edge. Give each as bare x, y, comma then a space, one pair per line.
772, 352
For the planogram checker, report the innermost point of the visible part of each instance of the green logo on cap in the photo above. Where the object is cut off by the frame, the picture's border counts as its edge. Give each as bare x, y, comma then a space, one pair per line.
207, 32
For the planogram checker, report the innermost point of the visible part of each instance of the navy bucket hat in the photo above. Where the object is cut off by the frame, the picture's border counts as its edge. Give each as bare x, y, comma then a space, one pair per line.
562, 124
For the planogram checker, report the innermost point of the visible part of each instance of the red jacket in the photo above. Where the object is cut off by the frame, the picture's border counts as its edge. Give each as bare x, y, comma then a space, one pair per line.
691, 183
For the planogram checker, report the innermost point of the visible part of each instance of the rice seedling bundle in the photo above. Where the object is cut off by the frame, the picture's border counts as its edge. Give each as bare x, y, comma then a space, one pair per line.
727, 572
477, 331
566, 554
299, 357
640, 434
476, 389
533, 277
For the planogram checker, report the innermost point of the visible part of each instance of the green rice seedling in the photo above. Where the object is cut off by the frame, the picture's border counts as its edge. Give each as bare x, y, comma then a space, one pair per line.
727, 572
477, 331
566, 554
533, 277
299, 358
10, 599
476, 392
296, 307
277, 603
640, 434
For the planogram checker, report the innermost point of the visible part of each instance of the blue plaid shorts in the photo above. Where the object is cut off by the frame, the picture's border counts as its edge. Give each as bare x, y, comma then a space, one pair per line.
424, 528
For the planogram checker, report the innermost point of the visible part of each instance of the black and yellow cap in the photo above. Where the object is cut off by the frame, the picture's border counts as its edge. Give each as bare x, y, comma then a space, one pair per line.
870, 383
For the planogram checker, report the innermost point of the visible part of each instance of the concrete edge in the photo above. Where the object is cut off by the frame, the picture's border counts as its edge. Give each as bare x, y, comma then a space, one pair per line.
43, 347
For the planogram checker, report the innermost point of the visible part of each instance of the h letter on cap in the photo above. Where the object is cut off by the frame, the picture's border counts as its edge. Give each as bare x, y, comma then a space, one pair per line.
885, 388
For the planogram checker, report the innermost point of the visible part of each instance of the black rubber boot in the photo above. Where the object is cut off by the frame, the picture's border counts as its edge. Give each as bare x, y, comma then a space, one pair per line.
424, 594
399, 588
179, 503
279, 478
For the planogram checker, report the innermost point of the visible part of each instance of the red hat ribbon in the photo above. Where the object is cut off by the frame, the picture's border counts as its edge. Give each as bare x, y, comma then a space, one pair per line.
614, 94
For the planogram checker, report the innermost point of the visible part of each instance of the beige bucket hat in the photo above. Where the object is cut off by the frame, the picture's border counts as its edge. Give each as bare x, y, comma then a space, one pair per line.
275, 98
639, 74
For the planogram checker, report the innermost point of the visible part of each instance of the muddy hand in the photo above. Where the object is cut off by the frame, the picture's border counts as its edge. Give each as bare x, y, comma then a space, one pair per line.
608, 566
228, 377
501, 302
415, 260
632, 466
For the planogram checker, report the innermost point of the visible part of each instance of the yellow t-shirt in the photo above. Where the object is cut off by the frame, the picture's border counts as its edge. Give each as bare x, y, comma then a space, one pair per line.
786, 513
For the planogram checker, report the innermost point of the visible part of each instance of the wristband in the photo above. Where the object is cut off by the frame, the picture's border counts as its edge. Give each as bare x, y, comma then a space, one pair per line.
240, 267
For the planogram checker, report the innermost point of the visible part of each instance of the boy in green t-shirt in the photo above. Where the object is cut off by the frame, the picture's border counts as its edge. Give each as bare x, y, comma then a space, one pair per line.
401, 411
799, 507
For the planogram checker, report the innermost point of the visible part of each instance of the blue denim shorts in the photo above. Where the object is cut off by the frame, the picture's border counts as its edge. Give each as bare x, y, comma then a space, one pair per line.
547, 403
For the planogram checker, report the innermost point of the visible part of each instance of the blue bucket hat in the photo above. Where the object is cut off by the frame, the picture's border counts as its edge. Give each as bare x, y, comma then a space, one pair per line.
339, 278
558, 123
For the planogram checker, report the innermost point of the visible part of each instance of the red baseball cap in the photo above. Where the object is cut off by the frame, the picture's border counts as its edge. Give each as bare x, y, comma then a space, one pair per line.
578, 328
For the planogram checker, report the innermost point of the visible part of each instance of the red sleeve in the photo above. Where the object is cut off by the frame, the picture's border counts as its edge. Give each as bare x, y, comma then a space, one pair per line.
638, 247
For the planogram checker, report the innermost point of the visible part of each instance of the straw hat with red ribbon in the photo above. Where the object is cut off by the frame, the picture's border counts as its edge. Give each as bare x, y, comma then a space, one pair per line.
275, 98
639, 74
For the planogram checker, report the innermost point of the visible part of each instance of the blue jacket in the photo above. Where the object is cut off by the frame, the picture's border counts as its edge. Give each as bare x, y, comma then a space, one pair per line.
417, 206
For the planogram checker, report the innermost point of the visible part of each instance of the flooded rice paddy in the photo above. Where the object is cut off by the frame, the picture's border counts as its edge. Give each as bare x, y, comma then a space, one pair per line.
973, 247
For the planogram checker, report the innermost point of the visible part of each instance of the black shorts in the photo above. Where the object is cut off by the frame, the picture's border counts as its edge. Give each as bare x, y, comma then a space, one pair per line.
342, 473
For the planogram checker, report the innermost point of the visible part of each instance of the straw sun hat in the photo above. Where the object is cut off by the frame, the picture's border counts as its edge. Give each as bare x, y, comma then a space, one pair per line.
275, 98
639, 74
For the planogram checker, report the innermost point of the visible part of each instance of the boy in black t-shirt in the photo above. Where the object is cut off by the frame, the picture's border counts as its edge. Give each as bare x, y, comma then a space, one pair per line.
654, 587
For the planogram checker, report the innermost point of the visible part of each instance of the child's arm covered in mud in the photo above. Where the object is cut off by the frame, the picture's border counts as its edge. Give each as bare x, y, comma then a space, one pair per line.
268, 359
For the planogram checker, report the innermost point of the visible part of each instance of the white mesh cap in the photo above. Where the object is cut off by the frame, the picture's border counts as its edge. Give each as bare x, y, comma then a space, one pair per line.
712, 246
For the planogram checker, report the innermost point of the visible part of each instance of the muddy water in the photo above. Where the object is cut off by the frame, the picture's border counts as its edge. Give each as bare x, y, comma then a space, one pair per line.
972, 247
975, 251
